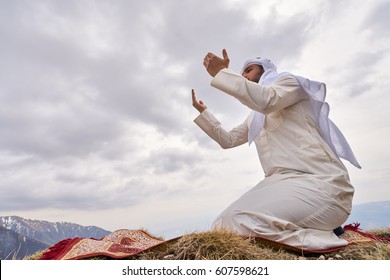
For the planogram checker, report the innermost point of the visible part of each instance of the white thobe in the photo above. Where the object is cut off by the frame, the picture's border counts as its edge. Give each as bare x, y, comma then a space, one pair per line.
306, 192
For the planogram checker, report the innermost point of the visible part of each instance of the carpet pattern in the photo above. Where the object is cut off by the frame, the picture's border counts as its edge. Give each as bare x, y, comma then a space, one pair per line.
119, 244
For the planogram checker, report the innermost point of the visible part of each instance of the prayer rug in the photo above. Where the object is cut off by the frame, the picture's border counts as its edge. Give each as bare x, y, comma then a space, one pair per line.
354, 235
125, 243
118, 245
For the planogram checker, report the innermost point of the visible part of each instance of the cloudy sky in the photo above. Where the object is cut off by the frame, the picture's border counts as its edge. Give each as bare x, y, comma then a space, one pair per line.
96, 121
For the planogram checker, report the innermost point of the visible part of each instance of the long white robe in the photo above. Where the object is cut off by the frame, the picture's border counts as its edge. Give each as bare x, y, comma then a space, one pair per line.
306, 191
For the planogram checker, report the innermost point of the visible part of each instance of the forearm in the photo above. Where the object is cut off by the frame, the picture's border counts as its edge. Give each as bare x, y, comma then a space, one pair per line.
226, 139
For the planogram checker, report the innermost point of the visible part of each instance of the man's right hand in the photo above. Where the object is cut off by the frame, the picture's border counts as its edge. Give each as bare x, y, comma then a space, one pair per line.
199, 105
214, 64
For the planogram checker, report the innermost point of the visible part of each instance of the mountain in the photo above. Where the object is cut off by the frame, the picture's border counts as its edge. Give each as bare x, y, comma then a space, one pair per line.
372, 215
17, 232
16, 246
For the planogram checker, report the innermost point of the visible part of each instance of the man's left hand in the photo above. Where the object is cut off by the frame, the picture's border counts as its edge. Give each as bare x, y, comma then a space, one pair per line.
214, 64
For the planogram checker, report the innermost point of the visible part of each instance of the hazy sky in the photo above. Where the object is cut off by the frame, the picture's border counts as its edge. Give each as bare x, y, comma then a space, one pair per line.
96, 121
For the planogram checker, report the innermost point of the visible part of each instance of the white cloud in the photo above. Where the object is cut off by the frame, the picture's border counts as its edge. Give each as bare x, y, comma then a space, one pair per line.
96, 118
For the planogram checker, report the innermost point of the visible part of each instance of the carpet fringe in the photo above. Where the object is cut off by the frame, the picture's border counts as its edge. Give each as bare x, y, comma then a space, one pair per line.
355, 227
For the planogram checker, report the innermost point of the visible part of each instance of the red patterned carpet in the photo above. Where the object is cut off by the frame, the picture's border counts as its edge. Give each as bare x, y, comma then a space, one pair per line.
119, 244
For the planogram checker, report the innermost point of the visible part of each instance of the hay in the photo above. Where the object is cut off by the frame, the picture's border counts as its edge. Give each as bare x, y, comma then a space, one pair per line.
215, 245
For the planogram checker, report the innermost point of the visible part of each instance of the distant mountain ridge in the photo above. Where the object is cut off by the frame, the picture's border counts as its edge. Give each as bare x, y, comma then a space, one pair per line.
372, 215
16, 246
50, 232
20, 236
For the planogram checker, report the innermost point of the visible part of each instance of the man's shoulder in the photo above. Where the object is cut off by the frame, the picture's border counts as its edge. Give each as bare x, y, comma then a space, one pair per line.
287, 79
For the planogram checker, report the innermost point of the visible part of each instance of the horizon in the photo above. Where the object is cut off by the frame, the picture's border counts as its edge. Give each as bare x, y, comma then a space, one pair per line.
170, 234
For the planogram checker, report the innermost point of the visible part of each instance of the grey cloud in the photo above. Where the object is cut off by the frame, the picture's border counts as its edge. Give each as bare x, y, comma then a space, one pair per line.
172, 160
378, 21
79, 80
66, 97
72, 191
366, 59
358, 75
70, 130
57, 95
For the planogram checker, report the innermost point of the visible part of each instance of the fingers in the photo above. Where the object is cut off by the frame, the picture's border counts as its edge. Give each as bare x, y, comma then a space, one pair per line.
199, 105
226, 58
210, 56
194, 101
193, 96
207, 59
224, 54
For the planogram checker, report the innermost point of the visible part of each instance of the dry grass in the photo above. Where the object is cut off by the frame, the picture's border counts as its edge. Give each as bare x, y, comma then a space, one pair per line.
364, 251
215, 245
226, 245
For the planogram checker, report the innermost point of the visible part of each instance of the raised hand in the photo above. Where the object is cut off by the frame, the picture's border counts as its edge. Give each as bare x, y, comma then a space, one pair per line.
199, 105
214, 64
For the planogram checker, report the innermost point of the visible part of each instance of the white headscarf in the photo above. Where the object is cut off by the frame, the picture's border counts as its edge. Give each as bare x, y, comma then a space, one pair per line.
317, 91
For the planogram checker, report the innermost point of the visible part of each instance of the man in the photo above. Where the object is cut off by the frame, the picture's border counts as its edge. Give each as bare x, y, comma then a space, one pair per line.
306, 191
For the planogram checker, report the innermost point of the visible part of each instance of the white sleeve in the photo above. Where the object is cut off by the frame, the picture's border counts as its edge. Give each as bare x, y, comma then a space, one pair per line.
226, 139
265, 99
